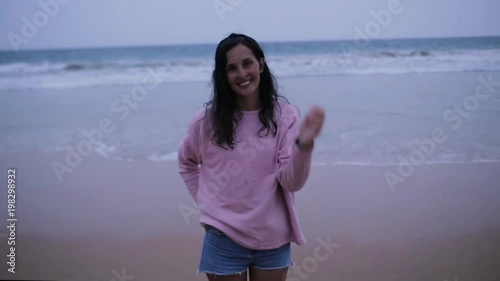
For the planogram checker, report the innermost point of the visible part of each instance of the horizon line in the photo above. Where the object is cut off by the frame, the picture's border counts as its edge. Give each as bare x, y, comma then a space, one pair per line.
260, 42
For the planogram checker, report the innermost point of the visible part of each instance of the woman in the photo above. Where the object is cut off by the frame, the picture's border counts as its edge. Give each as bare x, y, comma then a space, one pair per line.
242, 159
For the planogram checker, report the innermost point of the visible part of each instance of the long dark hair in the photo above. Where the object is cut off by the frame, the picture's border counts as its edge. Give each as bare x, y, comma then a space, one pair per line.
224, 111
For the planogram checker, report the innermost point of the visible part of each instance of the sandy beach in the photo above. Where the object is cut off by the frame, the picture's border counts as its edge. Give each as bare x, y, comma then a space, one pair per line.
116, 217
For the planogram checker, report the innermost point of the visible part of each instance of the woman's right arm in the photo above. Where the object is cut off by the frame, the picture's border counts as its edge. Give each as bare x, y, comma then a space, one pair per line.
189, 157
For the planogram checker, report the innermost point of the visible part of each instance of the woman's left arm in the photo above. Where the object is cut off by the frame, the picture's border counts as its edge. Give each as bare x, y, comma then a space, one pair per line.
295, 149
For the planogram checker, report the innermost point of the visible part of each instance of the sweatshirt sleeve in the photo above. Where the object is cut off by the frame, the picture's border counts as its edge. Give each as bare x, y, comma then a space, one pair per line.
294, 163
189, 157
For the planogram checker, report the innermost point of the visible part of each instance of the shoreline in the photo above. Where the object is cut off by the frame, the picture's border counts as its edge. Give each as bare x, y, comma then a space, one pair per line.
105, 183
368, 124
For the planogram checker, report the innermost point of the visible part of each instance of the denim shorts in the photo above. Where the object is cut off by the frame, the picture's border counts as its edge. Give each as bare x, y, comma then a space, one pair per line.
222, 256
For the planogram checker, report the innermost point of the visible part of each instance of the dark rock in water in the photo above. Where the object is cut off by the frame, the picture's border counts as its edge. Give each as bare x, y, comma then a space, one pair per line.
425, 53
388, 54
420, 53
73, 67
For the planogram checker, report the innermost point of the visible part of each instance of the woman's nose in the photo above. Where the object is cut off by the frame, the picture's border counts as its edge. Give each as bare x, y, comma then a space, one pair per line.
241, 73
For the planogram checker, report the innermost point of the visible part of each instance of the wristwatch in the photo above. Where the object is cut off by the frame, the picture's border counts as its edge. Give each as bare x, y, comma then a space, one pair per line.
302, 146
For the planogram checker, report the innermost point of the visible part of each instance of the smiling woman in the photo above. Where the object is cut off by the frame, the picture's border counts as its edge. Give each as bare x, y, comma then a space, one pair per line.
243, 74
249, 212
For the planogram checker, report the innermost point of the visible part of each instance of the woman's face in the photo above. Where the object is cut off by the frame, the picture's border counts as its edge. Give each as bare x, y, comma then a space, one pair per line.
243, 71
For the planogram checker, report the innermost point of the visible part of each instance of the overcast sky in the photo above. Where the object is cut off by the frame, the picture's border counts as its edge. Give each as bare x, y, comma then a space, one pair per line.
95, 23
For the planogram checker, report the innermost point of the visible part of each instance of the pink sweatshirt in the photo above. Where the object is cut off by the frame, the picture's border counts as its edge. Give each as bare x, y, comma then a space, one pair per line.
248, 192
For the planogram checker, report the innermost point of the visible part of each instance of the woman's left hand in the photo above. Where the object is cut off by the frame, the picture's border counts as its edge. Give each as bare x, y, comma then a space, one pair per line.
311, 125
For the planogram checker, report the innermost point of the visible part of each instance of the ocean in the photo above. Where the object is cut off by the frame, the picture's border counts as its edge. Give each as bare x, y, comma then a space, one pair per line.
52, 69
49, 97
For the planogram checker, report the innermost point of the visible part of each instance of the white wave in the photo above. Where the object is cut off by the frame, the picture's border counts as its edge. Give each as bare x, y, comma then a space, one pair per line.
57, 76
26, 68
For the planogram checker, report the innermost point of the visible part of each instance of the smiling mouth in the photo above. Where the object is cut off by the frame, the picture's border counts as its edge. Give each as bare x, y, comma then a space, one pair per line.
244, 83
